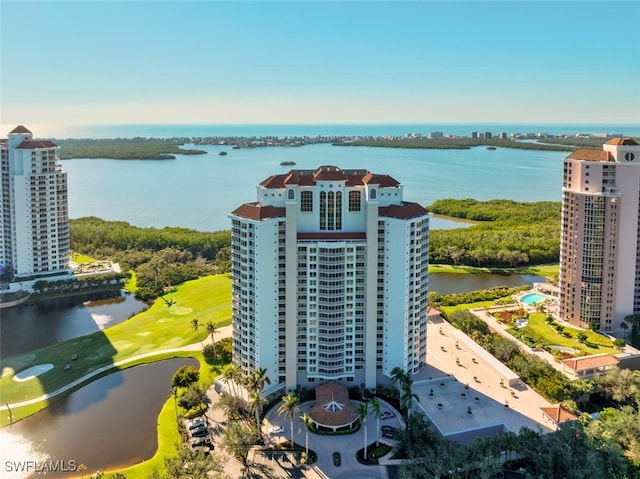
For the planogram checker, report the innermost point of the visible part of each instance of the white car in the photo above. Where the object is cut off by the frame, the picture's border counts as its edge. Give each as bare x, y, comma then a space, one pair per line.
276, 430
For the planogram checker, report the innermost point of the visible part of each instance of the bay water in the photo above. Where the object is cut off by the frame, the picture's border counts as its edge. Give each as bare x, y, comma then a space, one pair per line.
199, 191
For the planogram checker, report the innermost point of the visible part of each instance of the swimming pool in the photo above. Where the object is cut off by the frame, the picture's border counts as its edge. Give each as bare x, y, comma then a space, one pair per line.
532, 298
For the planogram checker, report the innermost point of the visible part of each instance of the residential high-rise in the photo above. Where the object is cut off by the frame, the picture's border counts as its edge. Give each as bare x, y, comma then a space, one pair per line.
330, 279
34, 232
600, 254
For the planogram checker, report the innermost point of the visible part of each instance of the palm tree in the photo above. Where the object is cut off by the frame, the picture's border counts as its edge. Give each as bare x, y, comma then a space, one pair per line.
407, 396
363, 410
255, 405
625, 327
306, 420
195, 325
82, 469
212, 330
375, 405
232, 374
256, 380
289, 408
400, 376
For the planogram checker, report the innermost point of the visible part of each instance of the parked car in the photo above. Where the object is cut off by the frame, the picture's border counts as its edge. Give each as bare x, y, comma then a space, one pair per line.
337, 459
200, 431
201, 441
386, 415
197, 422
276, 430
388, 431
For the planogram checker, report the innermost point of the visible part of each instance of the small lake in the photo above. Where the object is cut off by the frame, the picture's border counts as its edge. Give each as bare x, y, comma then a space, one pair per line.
447, 283
106, 424
26, 328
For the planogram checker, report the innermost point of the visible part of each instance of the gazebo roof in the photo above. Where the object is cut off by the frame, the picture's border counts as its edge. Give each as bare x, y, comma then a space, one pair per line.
332, 408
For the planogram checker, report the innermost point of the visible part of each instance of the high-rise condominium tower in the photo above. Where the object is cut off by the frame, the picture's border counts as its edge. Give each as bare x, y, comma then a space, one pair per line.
34, 232
600, 256
330, 278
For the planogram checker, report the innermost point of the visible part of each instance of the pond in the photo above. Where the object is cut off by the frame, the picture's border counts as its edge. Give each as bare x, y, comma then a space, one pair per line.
106, 424
26, 328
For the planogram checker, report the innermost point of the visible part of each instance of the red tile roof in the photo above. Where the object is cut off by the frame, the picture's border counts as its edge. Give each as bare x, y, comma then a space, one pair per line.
404, 211
19, 129
590, 155
254, 211
337, 236
33, 144
622, 142
558, 414
591, 362
381, 180
332, 393
328, 173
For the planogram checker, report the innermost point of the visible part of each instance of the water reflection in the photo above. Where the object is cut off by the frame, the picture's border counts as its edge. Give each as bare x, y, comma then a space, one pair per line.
107, 424
26, 328
447, 283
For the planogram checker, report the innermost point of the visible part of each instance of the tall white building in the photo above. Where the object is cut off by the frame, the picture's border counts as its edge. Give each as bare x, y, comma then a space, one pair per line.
330, 279
600, 252
34, 232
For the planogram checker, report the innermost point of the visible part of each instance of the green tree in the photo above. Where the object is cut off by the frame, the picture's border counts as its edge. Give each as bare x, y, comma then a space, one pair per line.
289, 409
193, 397
307, 422
255, 405
377, 412
238, 438
255, 382
188, 464
184, 377
232, 376
363, 410
212, 330
195, 325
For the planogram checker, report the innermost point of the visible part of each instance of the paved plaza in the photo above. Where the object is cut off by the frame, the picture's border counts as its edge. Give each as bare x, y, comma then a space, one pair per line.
456, 379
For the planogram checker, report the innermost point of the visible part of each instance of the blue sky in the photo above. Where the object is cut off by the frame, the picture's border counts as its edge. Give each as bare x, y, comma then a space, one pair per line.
215, 62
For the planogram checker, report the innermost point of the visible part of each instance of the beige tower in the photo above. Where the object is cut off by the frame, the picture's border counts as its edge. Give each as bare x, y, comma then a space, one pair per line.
599, 256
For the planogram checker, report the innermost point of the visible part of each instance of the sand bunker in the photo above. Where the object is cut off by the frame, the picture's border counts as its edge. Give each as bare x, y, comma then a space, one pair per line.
32, 372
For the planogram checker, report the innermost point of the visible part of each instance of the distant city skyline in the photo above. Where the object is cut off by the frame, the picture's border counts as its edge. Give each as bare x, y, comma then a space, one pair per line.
215, 62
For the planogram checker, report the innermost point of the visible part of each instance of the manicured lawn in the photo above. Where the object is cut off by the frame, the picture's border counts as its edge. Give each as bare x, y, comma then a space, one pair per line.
541, 269
545, 335
82, 259
159, 328
465, 306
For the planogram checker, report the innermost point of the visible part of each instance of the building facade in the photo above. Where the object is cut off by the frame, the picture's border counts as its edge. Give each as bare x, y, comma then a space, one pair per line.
330, 279
34, 232
599, 252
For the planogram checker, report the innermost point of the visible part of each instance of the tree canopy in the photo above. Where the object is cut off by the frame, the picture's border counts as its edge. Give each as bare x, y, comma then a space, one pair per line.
511, 234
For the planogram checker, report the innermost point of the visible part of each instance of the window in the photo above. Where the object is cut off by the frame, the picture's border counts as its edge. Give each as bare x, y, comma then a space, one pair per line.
331, 210
306, 201
373, 194
354, 201
291, 195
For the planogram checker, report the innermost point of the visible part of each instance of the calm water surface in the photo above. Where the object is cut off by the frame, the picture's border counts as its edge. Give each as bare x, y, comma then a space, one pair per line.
106, 424
27, 328
199, 191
